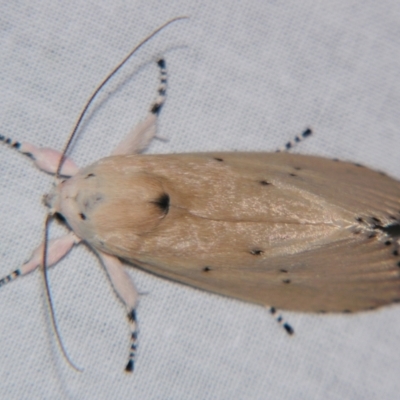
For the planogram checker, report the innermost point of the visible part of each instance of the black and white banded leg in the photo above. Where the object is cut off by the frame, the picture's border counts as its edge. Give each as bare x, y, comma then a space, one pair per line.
297, 139
280, 320
127, 293
44, 158
137, 140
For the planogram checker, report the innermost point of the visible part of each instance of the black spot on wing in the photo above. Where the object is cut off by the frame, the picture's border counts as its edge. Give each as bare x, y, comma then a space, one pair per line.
163, 203
392, 230
256, 252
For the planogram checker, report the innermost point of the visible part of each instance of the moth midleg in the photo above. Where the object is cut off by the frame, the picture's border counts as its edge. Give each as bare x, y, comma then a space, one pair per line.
127, 293
141, 136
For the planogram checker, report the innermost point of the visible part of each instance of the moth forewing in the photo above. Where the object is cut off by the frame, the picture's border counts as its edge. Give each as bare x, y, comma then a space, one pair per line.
297, 232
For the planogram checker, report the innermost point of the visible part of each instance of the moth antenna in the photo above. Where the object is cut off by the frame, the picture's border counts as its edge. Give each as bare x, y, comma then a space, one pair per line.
49, 297
296, 140
281, 321
109, 76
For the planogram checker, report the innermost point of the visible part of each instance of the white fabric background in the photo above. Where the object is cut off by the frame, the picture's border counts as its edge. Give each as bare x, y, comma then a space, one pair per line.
242, 76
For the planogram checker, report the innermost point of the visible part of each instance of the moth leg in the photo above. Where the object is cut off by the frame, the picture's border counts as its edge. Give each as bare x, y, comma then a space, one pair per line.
141, 136
56, 250
44, 158
280, 320
126, 291
297, 139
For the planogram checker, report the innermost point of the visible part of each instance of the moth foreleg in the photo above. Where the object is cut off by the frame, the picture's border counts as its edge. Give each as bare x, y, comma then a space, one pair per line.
141, 136
126, 291
56, 250
44, 158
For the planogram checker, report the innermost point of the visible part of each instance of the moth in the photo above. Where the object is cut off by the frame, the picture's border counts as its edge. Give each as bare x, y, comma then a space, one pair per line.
290, 231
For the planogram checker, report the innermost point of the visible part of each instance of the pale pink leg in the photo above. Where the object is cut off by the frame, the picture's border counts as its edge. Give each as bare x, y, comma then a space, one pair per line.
56, 250
44, 158
126, 291
140, 137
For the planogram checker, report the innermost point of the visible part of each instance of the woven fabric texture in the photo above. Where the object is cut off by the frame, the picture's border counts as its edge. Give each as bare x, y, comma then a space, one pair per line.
242, 76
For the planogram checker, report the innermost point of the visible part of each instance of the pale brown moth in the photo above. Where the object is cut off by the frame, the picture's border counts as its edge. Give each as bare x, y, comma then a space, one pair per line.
289, 231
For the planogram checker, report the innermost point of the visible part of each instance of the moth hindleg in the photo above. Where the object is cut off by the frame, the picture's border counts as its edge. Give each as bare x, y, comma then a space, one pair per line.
280, 320
297, 139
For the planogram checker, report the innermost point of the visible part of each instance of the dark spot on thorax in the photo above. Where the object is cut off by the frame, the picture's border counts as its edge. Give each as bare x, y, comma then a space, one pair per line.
59, 217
